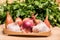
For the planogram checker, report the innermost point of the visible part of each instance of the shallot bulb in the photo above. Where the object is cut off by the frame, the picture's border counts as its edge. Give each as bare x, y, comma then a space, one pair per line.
41, 27
14, 27
37, 21
27, 24
19, 21
9, 19
46, 21
26, 19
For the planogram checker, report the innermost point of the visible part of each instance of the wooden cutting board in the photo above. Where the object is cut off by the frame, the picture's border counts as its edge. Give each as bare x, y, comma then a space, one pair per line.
8, 32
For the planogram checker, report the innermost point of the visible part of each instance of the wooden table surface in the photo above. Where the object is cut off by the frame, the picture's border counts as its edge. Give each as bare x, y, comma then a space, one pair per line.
55, 35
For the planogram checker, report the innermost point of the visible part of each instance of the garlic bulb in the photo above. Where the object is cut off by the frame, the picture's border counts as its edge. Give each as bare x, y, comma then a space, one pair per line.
14, 27
41, 27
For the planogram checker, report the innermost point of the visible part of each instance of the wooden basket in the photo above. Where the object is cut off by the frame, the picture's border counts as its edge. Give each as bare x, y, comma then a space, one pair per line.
8, 32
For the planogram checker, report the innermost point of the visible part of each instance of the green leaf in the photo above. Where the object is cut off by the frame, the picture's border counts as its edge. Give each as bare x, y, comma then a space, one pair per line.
36, 2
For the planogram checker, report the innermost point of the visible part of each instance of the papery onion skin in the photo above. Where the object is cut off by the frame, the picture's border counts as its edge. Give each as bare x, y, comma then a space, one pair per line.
19, 21
28, 23
9, 19
26, 19
46, 21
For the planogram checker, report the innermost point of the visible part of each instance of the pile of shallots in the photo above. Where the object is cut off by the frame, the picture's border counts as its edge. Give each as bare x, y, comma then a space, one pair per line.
27, 25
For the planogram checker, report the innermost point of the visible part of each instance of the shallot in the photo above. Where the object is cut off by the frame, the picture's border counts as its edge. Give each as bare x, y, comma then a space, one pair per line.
37, 21
19, 21
41, 27
14, 27
46, 21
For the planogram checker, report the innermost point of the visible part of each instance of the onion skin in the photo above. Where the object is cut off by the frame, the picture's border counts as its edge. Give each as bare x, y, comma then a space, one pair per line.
37, 21
28, 23
46, 21
9, 19
14, 27
41, 27
19, 21
26, 19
